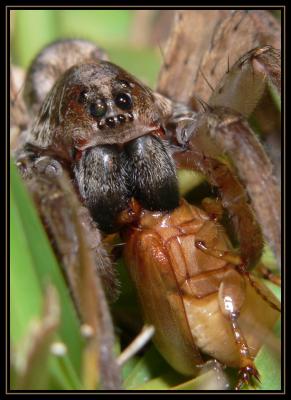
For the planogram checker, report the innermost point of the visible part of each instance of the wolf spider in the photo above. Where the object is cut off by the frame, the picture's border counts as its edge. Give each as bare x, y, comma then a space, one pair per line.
97, 117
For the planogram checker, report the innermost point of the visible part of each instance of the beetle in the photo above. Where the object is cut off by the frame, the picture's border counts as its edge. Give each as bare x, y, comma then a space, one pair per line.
195, 291
97, 117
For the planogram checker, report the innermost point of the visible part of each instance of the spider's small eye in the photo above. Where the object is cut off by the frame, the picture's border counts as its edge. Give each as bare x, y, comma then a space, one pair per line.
125, 84
83, 97
98, 109
123, 101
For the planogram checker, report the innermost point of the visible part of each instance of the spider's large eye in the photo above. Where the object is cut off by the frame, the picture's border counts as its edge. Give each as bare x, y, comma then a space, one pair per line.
98, 109
123, 101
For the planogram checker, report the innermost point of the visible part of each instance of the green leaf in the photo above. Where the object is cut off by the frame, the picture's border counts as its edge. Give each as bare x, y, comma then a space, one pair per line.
268, 359
188, 180
163, 382
275, 96
103, 26
144, 63
150, 366
109, 29
269, 260
268, 362
33, 29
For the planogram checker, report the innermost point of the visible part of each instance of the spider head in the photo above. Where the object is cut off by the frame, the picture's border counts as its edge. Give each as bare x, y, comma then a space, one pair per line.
96, 104
107, 128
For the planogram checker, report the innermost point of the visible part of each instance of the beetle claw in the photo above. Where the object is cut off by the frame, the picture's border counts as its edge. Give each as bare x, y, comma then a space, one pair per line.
246, 375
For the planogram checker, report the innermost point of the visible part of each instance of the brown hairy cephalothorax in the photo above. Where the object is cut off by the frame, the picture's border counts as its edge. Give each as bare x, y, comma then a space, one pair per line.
120, 143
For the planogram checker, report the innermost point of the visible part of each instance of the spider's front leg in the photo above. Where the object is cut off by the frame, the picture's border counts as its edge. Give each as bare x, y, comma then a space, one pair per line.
221, 129
42, 172
78, 245
242, 86
233, 197
240, 89
28, 164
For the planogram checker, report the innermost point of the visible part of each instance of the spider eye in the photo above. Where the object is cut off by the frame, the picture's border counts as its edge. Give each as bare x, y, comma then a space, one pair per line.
82, 97
124, 83
123, 101
98, 109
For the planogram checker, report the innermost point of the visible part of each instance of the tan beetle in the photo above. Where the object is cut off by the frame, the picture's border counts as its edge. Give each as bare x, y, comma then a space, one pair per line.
195, 290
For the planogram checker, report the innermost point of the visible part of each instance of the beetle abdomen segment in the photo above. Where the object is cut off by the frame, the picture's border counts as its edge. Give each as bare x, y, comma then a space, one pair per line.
161, 303
212, 331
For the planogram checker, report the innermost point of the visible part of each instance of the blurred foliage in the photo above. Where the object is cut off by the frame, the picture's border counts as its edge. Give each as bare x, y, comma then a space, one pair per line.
33, 264
112, 30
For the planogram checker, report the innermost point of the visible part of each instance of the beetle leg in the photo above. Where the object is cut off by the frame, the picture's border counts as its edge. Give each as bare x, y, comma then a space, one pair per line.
259, 288
247, 369
213, 207
228, 256
266, 273
231, 299
235, 259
